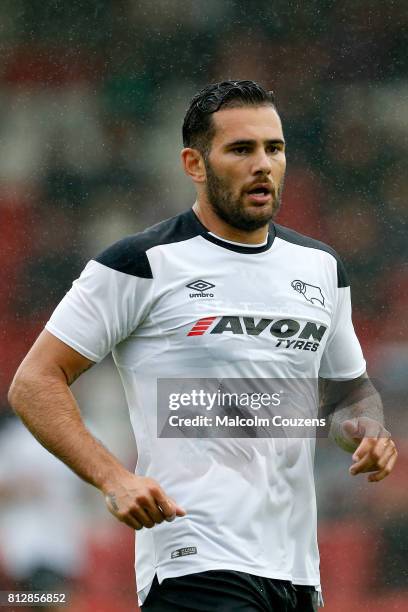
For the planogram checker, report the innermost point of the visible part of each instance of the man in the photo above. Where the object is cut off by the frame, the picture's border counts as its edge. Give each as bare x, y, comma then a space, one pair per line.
216, 291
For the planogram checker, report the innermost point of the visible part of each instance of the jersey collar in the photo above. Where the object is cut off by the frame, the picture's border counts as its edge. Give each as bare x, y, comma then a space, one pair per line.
231, 246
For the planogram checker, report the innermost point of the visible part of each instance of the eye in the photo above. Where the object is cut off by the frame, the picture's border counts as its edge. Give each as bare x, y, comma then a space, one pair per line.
241, 150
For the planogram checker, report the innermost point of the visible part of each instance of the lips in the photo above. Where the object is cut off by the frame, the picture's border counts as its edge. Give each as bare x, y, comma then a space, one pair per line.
260, 193
259, 198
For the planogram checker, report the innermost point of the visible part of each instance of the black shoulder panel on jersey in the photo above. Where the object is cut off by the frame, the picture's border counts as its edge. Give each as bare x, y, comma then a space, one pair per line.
295, 238
129, 254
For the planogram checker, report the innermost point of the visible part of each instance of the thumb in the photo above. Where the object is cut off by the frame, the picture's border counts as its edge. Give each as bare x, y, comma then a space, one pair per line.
178, 510
352, 429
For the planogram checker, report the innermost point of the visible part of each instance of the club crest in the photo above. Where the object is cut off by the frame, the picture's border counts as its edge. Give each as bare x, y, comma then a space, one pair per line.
311, 293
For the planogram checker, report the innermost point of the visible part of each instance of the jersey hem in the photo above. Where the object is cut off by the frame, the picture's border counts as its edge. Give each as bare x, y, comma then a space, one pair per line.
162, 575
237, 568
77, 347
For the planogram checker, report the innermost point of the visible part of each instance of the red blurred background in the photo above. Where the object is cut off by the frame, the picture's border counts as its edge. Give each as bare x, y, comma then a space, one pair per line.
92, 97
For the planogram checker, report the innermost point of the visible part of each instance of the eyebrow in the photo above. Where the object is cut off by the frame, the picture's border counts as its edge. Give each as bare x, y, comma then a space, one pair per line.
253, 142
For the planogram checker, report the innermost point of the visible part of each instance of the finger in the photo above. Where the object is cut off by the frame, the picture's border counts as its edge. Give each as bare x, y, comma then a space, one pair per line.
351, 428
362, 450
179, 509
378, 451
151, 502
132, 522
142, 516
387, 453
127, 518
169, 507
364, 431
361, 466
377, 476
366, 463
148, 503
381, 453
360, 428
371, 445
365, 447
152, 509
377, 448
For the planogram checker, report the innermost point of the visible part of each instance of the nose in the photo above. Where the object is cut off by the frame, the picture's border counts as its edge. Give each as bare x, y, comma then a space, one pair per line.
262, 162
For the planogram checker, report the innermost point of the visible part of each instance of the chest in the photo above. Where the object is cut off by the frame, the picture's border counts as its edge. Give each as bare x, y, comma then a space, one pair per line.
240, 308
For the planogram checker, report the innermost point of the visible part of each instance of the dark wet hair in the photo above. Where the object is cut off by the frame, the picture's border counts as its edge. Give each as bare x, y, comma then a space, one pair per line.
198, 126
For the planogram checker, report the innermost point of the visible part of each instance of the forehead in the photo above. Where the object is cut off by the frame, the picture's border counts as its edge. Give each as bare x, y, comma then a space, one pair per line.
248, 122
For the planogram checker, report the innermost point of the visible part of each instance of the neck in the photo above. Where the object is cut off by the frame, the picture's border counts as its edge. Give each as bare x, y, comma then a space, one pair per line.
221, 228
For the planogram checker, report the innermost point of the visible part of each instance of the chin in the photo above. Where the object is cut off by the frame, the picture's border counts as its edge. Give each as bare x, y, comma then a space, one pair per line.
264, 213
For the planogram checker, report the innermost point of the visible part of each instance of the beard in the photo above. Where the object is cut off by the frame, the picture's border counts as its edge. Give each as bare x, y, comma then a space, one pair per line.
232, 210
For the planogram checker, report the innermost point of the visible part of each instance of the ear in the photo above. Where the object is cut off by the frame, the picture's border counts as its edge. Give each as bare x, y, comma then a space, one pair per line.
193, 164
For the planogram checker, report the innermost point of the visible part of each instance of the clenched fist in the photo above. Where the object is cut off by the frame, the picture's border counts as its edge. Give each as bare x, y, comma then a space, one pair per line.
376, 452
140, 502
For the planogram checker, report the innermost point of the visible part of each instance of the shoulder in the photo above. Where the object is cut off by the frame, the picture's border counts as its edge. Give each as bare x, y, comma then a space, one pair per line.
302, 240
129, 255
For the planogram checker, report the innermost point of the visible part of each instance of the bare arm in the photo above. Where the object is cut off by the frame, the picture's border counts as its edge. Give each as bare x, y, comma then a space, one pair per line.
355, 412
41, 397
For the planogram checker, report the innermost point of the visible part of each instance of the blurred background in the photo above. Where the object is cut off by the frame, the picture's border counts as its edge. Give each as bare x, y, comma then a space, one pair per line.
92, 98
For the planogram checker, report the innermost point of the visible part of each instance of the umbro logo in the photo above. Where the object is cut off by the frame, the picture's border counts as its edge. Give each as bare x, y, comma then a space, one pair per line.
200, 285
182, 552
201, 289
311, 293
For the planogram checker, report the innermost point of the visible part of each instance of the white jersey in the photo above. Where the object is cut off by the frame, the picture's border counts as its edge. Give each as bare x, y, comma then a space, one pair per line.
177, 301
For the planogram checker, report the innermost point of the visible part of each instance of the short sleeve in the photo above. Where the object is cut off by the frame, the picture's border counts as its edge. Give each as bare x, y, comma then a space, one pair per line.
342, 357
103, 307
